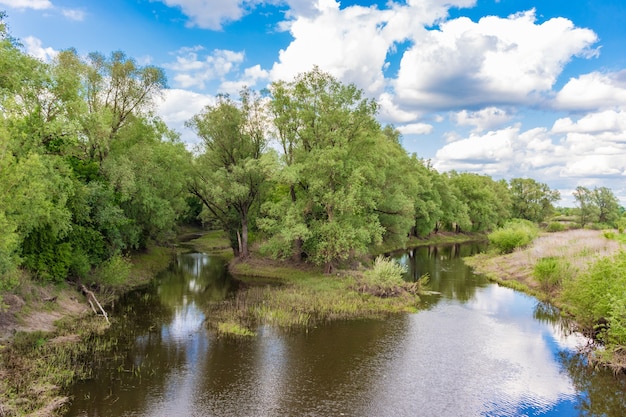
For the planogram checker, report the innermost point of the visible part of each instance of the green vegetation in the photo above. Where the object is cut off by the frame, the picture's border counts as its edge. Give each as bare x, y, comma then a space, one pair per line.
515, 234
597, 300
40, 366
555, 227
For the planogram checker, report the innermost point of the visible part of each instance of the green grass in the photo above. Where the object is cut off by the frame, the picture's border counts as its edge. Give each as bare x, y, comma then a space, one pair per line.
213, 242
40, 366
291, 297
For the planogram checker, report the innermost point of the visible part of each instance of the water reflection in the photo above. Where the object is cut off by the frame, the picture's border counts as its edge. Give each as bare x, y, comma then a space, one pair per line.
476, 350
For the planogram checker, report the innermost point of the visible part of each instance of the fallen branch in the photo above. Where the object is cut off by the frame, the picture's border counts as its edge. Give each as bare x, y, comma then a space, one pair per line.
91, 297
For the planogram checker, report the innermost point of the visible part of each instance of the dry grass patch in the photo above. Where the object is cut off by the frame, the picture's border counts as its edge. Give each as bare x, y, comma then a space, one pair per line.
578, 247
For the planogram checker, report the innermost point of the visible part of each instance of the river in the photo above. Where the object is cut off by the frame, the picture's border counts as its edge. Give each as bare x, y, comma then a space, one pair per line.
474, 349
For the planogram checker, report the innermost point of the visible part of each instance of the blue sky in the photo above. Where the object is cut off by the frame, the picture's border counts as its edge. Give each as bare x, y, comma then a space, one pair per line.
509, 88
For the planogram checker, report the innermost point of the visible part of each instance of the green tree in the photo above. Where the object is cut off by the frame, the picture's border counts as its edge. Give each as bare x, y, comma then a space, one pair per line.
607, 205
488, 201
587, 209
329, 138
231, 171
531, 200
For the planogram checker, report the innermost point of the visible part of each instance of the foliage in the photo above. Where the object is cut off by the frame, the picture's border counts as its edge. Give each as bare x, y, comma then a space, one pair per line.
515, 234
587, 210
551, 271
385, 273
488, 202
113, 271
555, 227
597, 298
229, 175
531, 200
86, 166
329, 186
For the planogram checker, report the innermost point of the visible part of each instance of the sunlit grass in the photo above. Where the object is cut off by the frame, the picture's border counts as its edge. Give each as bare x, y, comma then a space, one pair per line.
302, 297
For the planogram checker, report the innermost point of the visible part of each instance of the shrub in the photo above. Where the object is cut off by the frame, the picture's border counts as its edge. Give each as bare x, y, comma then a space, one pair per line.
555, 227
114, 271
551, 271
597, 297
386, 273
515, 234
609, 234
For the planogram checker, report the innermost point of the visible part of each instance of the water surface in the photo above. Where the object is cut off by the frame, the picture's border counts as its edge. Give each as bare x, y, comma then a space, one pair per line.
476, 349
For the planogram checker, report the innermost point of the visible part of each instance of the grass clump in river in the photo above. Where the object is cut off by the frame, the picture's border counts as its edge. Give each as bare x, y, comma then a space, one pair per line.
300, 297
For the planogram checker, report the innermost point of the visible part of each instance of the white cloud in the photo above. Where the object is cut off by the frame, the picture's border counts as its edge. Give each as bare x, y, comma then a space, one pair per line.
350, 43
176, 107
591, 91
74, 14
391, 112
603, 121
416, 129
488, 153
250, 77
491, 61
485, 119
28, 4
34, 47
212, 14
588, 151
193, 71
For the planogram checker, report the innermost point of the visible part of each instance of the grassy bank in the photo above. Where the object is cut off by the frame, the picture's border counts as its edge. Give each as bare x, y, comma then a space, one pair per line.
583, 272
49, 337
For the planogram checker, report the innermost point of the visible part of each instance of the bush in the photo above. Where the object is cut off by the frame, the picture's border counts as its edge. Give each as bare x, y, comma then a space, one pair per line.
555, 227
597, 298
515, 234
114, 271
551, 271
386, 273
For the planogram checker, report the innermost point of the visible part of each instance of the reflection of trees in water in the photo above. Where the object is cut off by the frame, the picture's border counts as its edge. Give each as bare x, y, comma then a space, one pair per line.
601, 392
195, 278
147, 351
448, 273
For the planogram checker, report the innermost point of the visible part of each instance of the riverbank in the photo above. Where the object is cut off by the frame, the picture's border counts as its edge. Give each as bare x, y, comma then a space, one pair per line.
568, 256
48, 336
299, 295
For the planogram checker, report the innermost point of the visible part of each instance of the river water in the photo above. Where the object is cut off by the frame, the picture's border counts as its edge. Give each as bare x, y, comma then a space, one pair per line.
475, 349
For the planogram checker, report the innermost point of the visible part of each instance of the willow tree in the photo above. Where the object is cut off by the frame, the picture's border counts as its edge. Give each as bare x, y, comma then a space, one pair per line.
231, 170
329, 135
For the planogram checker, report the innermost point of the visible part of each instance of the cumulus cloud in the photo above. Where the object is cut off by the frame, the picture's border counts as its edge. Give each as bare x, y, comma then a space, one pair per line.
586, 151
177, 106
416, 129
485, 119
596, 90
195, 71
212, 14
495, 60
350, 43
251, 76
28, 4
34, 47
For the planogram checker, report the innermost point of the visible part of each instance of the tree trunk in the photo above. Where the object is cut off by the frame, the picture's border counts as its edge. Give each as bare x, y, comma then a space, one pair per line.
244, 238
328, 268
297, 250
